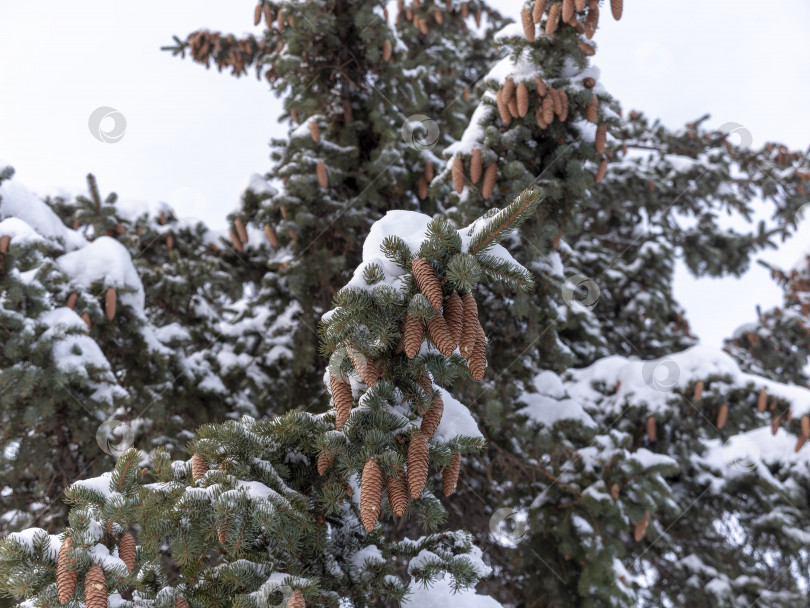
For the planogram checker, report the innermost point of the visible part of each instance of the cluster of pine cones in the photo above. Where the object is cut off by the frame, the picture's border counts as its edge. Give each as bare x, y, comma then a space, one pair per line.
226, 51
454, 324
95, 584
421, 23
566, 12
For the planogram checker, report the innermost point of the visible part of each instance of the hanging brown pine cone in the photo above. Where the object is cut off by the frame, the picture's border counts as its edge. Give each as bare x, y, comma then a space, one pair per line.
324, 462
592, 110
591, 22
95, 588
268, 15
65, 576
513, 108
539, 9
323, 177
387, 50
588, 83
538, 116
469, 326
477, 18
241, 230
180, 602
71, 301
775, 425
508, 89
440, 334
528, 24
478, 359
418, 464
616, 9
371, 485
641, 527
475, 166
364, 366
548, 109
421, 188
553, 18
450, 475
458, 175
698, 390
805, 426
428, 282
614, 491
109, 303
271, 236
490, 177
342, 396
564, 103
428, 171
314, 131
397, 493
762, 402
413, 335
601, 171
87, 321
540, 85
198, 467
580, 5
722, 416
586, 49
126, 551
651, 428
454, 316
432, 418
567, 10
5, 241
257, 14
523, 98
237, 244
601, 138
503, 109
296, 600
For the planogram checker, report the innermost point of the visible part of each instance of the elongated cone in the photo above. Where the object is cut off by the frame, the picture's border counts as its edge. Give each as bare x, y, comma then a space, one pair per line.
126, 551
508, 89
722, 416
440, 334
95, 588
567, 10
490, 177
324, 462
553, 18
257, 14
762, 402
296, 600
538, 10
371, 485
271, 236
522, 98
614, 491
432, 418
538, 116
428, 171
580, 5
314, 131
438, 16
71, 301
454, 315
587, 49
198, 467
477, 18
237, 244
548, 109
86, 319
775, 424
421, 188
180, 601
364, 366
476, 168
5, 240
589, 83
65, 577
397, 493
320, 171
528, 24
651, 428
513, 107
601, 138
540, 85
428, 282
170, 242
591, 22
268, 15
699, 390
413, 335
800, 443
592, 110
616, 9
478, 359
600, 173
418, 463
387, 50
564, 102
450, 475
805, 426
458, 175
469, 326
503, 108
641, 527
342, 396
555, 99
109, 303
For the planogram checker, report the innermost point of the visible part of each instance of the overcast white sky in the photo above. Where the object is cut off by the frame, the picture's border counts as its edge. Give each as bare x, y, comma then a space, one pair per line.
194, 136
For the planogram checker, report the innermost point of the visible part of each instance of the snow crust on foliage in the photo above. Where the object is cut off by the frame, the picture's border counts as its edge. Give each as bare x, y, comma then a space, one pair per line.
100, 484
440, 594
108, 262
549, 404
26, 537
456, 420
369, 553
474, 133
19, 202
21, 233
259, 185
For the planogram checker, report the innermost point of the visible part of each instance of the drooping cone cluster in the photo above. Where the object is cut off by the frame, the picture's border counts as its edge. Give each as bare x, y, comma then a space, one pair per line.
65, 576
95, 588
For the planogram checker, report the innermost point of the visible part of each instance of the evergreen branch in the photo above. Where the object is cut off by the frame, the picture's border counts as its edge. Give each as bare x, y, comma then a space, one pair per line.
505, 220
